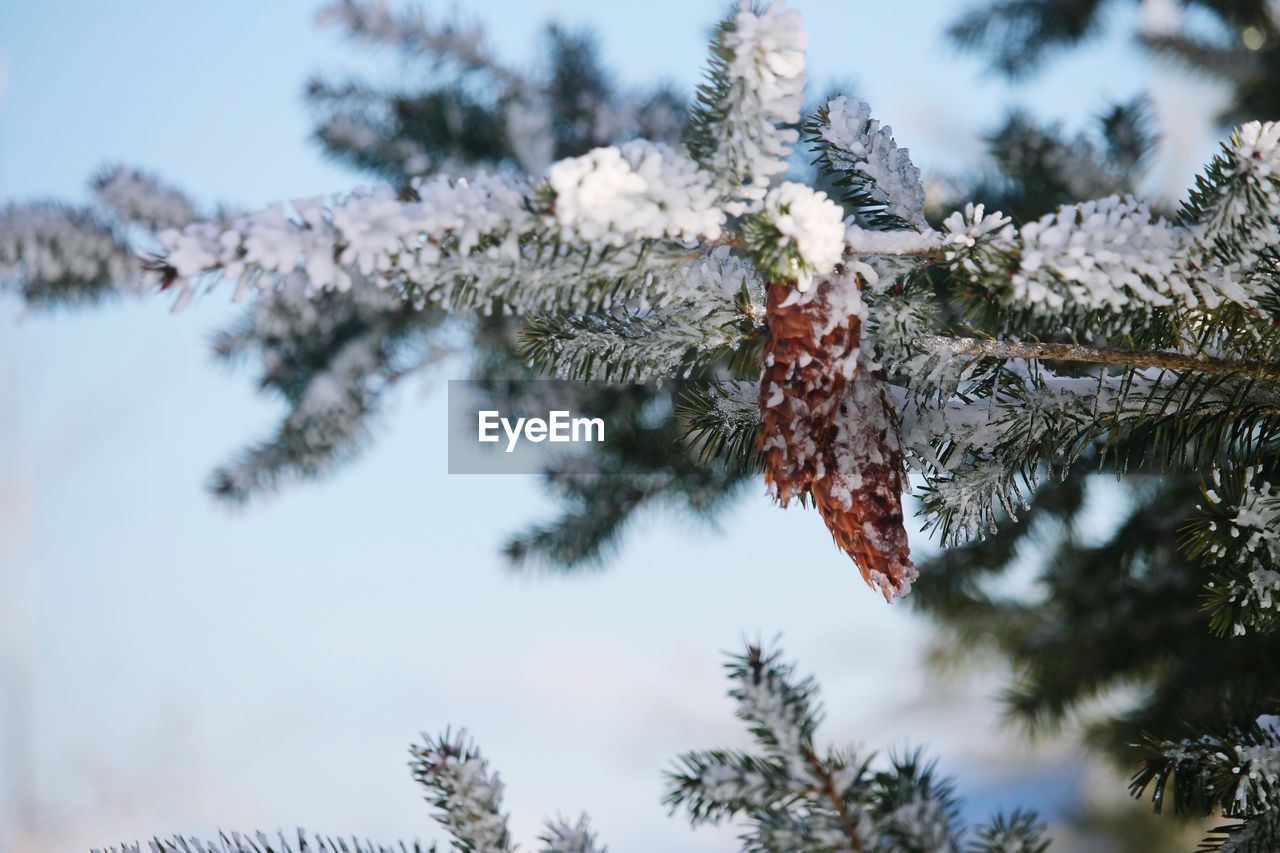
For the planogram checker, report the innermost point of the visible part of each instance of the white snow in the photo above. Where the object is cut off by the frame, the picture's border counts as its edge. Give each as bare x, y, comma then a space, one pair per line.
51, 243
766, 76
810, 222
860, 241
639, 190
861, 145
1111, 255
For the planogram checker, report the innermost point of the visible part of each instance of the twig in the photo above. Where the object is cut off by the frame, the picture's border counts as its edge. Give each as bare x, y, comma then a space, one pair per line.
829, 790
1106, 355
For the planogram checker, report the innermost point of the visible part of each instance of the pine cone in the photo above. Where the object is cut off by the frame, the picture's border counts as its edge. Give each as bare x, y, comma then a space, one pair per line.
828, 432
810, 355
860, 492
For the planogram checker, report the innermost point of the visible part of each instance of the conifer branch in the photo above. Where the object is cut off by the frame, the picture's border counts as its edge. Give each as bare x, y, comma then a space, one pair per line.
828, 789
642, 260
787, 797
1040, 351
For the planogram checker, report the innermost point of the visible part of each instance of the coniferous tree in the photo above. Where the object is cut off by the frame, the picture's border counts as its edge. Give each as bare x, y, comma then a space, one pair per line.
786, 794
1235, 42
1137, 581
1164, 329
1162, 335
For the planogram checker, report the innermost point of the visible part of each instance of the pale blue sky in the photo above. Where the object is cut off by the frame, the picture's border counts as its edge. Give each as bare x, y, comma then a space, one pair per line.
198, 668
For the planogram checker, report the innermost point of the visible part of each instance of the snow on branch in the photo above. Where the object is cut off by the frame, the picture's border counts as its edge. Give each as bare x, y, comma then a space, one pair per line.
471, 110
703, 311
139, 197
860, 241
1036, 351
54, 253
796, 235
332, 357
755, 84
1017, 832
637, 191
1111, 256
466, 795
789, 795
561, 836
1238, 538
1237, 773
1236, 203
780, 711
722, 422
863, 157
600, 221
983, 450
361, 132
1114, 256
365, 231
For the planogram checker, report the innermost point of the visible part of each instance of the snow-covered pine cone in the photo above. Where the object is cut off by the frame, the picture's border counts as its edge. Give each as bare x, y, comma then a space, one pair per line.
859, 492
828, 432
811, 353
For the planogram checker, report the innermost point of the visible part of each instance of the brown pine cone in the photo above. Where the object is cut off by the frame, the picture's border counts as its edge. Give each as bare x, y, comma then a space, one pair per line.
810, 355
829, 432
860, 491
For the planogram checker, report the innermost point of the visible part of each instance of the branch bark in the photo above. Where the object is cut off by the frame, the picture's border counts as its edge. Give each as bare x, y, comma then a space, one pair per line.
1107, 355
828, 790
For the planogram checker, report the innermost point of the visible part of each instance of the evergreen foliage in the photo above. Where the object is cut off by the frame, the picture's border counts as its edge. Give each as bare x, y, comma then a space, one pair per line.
1235, 42
1078, 330
791, 796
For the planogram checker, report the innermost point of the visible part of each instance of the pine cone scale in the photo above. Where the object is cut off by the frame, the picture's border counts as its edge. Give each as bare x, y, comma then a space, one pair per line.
799, 389
828, 432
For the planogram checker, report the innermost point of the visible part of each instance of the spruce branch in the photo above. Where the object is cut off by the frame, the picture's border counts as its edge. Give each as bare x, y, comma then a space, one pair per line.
260, 842
466, 795
1236, 773
1256, 835
721, 421
879, 182
560, 836
410, 30
829, 788
704, 311
1237, 538
1017, 832
597, 244
791, 796
1018, 35
740, 124
55, 254
1049, 351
